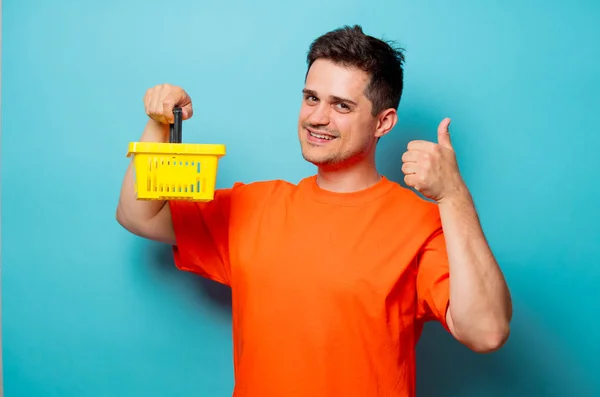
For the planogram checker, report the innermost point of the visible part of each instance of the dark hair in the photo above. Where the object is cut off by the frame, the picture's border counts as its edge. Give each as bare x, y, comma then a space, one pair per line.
349, 46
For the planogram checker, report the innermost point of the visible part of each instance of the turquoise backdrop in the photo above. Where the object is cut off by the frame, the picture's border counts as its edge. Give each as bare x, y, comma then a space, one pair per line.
88, 310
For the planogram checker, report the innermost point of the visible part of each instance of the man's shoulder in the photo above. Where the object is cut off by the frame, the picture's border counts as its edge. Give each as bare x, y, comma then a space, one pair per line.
407, 202
264, 185
262, 189
401, 193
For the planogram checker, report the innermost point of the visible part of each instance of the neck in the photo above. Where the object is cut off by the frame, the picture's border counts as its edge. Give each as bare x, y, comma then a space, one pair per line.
348, 179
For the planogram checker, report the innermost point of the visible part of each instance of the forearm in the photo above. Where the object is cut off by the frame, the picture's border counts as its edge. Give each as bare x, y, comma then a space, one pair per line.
480, 304
130, 211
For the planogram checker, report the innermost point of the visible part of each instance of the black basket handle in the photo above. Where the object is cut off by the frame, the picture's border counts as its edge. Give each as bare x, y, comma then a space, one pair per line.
175, 128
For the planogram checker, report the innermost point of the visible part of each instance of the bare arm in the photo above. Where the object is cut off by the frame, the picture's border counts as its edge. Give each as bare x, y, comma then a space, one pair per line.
480, 305
152, 219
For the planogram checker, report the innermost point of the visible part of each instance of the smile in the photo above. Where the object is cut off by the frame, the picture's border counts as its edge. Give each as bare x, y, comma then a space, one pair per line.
318, 137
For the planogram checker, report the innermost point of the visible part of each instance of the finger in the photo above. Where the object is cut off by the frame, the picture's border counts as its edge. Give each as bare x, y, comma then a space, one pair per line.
155, 103
177, 98
411, 156
423, 146
411, 180
185, 102
186, 106
187, 111
444, 133
167, 109
168, 100
410, 168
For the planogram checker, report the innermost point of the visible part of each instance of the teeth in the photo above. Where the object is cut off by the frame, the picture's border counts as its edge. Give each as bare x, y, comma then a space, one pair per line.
321, 136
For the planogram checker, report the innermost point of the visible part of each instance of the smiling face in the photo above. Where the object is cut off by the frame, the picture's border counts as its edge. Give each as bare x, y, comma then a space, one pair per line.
336, 127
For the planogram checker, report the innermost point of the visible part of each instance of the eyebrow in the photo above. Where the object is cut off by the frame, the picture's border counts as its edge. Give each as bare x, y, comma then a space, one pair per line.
332, 97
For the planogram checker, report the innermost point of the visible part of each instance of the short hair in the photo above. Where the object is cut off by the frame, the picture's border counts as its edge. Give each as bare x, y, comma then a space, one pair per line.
382, 60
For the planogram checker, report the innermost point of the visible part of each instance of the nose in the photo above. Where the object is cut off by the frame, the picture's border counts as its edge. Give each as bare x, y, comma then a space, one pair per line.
319, 115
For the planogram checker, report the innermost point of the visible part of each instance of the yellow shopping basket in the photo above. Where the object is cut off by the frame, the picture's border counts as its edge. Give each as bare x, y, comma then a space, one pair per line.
175, 170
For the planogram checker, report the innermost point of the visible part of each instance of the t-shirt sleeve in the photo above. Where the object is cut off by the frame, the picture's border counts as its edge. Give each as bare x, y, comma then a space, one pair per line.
433, 279
202, 236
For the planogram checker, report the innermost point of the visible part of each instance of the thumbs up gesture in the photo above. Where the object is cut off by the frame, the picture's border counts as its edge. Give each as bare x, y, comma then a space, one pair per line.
431, 168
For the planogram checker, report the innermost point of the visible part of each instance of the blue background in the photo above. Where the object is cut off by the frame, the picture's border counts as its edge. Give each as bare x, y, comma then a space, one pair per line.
90, 310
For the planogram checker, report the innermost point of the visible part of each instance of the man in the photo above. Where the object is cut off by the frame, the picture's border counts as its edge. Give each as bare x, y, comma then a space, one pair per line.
333, 278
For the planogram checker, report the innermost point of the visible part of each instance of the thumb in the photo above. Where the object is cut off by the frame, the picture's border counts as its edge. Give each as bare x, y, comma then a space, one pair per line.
187, 111
444, 133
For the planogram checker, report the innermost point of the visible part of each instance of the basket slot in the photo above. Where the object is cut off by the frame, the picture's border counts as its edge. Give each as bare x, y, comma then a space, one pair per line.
155, 175
173, 189
149, 179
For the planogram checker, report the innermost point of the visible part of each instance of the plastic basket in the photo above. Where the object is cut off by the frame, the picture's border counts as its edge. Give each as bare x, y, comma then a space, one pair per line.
175, 170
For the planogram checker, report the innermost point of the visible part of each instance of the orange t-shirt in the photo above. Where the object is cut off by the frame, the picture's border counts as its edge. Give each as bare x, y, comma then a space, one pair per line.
330, 290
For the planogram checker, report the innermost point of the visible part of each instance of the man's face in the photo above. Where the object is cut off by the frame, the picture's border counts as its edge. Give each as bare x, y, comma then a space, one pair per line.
335, 125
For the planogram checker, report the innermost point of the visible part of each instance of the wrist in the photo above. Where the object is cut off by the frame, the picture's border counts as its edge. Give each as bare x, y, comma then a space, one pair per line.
155, 132
457, 196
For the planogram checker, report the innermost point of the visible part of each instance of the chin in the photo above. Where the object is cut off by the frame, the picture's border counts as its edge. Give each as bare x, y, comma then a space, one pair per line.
312, 157
320, 156
319, 160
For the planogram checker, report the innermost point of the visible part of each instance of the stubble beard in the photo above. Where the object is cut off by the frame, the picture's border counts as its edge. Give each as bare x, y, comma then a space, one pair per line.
325, 160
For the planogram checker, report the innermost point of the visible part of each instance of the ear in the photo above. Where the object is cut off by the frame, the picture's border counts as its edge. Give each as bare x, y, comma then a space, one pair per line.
386, 120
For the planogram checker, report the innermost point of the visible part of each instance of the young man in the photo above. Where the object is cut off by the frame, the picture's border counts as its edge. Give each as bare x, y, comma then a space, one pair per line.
333, 278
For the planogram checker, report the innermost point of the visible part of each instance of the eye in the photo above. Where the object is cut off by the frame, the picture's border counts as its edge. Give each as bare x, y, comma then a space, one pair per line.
310, 99
343, 107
